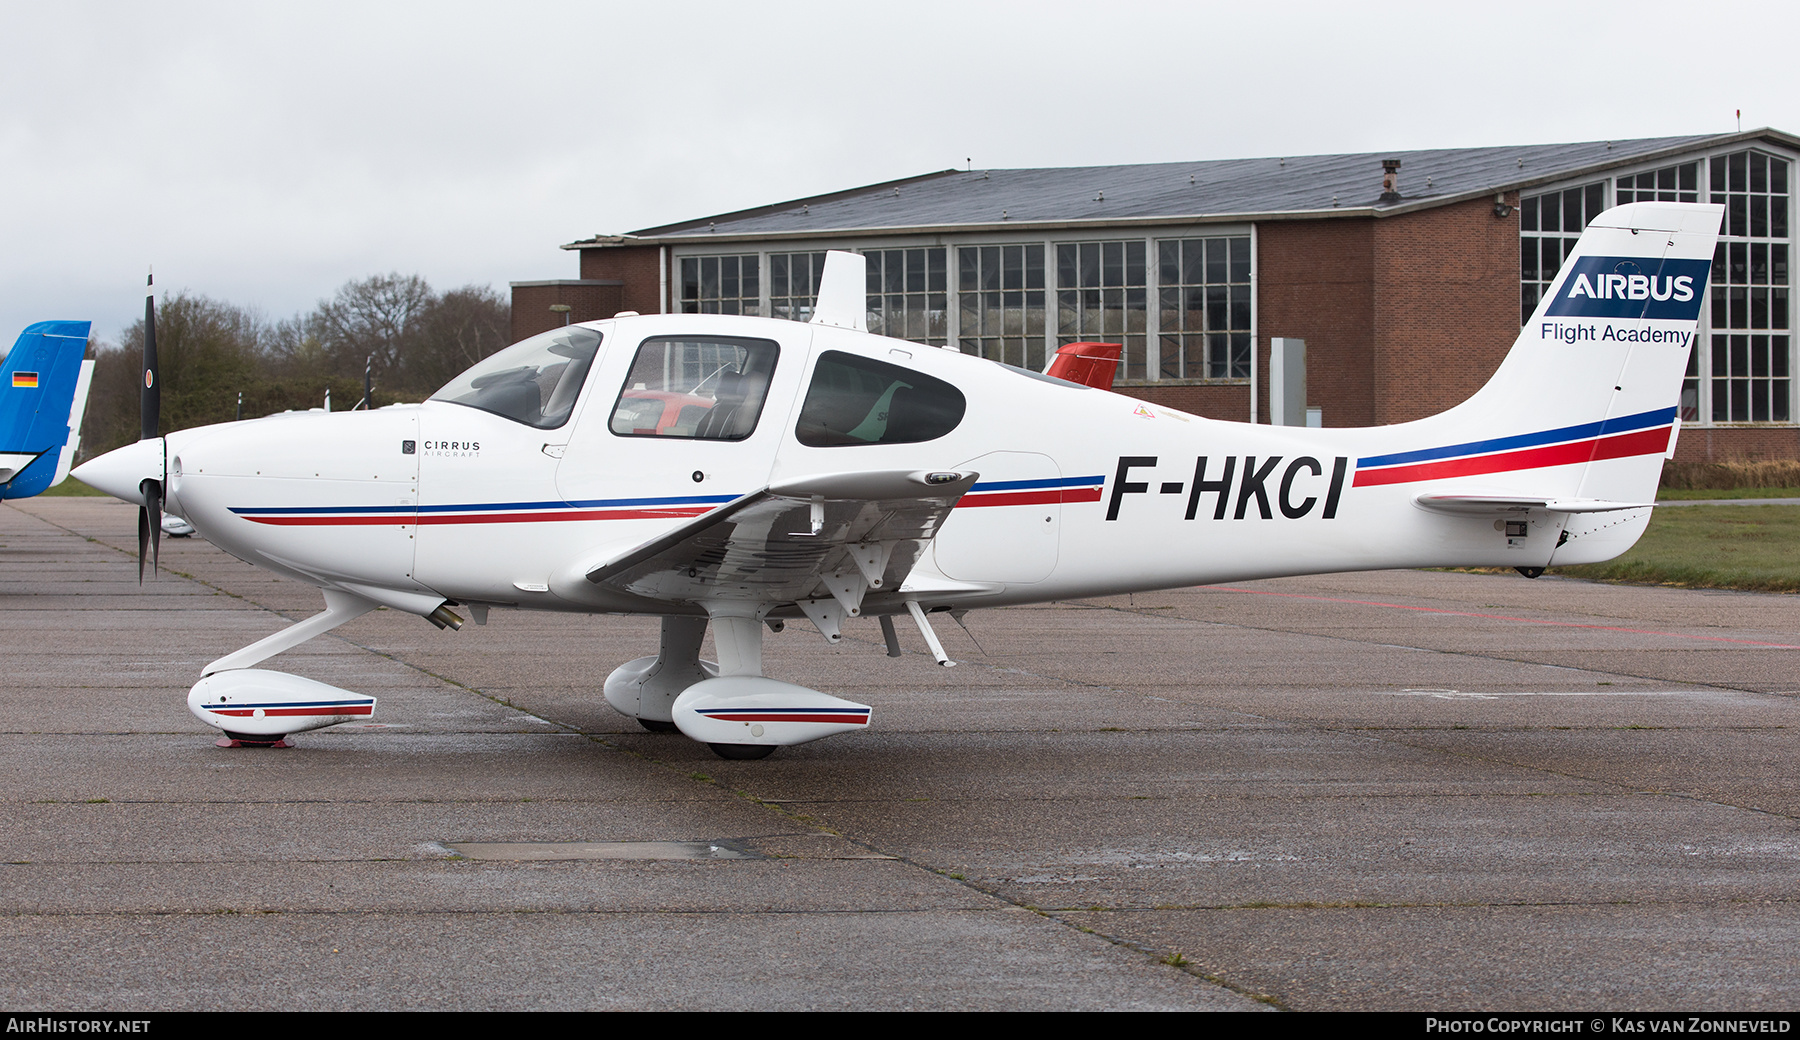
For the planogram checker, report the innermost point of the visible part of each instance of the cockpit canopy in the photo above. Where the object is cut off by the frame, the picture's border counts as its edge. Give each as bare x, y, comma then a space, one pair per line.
710, 387
535, 381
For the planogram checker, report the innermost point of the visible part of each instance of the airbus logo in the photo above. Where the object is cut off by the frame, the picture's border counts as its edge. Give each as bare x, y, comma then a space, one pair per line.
1634, 287
1624, 287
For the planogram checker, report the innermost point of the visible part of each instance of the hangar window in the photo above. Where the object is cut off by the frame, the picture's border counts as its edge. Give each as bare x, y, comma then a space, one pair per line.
1549, 226
908, 294
1751, 345
1205, 308
1001, 291
721, 285
858, 400
705, 388
1102, 294
794, 284
1680, 183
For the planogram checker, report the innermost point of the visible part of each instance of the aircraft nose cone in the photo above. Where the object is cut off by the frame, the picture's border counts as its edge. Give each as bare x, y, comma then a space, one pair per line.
120, 471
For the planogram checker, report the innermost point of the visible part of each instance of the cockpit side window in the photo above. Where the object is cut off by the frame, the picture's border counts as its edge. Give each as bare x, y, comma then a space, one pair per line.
535, 381
704, 388
857, 400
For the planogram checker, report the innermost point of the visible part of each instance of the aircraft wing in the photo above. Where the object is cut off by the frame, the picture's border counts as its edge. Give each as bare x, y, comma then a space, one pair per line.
815, 541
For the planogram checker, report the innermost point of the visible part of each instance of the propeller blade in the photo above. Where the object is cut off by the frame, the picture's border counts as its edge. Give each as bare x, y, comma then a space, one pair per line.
150, 412
150, 527
150, 403
143, 538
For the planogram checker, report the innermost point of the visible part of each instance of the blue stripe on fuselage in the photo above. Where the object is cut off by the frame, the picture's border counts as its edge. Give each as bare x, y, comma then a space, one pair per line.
1622, 424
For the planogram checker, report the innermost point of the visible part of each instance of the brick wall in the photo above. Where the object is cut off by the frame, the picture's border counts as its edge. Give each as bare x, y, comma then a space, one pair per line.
1446, 306
637, 268
1737, 443
588, 300
1315, 281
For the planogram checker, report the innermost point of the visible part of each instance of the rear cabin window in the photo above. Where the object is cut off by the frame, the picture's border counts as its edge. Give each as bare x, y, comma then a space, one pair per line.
703, 388
856, 400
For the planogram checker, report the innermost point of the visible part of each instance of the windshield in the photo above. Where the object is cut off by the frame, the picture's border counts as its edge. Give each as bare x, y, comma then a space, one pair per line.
534, 381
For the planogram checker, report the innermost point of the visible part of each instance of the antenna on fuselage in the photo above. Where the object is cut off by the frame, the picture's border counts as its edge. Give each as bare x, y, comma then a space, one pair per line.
843, 292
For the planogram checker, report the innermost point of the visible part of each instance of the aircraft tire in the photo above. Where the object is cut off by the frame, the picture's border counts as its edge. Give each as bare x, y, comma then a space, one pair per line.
657, 726
743, 752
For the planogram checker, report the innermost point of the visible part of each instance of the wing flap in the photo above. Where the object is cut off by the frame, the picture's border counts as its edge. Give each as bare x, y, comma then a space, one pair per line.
819, 537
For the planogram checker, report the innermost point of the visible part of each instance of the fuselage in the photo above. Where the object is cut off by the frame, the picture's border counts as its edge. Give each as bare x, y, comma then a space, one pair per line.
1081, 491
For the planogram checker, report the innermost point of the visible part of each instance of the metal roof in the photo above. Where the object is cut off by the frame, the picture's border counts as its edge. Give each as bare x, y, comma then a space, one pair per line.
1309, 186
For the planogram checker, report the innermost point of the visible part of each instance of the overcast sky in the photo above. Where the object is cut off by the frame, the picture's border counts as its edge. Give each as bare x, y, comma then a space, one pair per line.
266, 153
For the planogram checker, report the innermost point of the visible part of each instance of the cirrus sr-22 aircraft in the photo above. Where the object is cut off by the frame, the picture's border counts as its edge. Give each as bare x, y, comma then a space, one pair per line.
747, 472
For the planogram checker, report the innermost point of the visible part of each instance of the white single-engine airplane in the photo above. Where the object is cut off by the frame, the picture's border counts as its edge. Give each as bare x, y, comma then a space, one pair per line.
745, 472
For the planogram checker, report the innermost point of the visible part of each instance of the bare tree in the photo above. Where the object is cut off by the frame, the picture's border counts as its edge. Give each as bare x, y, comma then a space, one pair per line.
464, 326
211, 352
376, 318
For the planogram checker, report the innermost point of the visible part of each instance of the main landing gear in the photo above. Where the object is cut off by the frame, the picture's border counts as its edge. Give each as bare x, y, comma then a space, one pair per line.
730, 706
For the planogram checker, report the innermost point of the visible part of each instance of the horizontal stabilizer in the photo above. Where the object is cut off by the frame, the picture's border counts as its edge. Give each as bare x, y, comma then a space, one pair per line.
1498, 505
12, 463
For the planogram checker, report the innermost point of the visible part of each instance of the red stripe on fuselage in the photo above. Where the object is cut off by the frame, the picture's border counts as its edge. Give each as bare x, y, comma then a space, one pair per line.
1625, 445
1030, 498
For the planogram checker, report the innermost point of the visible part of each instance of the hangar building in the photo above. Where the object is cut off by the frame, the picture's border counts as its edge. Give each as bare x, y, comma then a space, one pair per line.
1407, 274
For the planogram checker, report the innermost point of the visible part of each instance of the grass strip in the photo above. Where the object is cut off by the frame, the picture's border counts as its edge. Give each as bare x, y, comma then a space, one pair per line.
1756, 548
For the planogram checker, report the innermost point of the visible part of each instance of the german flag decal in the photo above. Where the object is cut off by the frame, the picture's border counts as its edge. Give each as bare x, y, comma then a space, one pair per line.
25, 379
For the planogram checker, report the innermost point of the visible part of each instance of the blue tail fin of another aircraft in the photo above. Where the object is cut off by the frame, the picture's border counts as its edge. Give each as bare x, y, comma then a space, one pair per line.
39, 382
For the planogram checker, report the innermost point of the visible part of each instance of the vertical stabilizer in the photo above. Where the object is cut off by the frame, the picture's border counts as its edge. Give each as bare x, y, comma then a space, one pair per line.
39, 382
1607, 347
1585, 405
